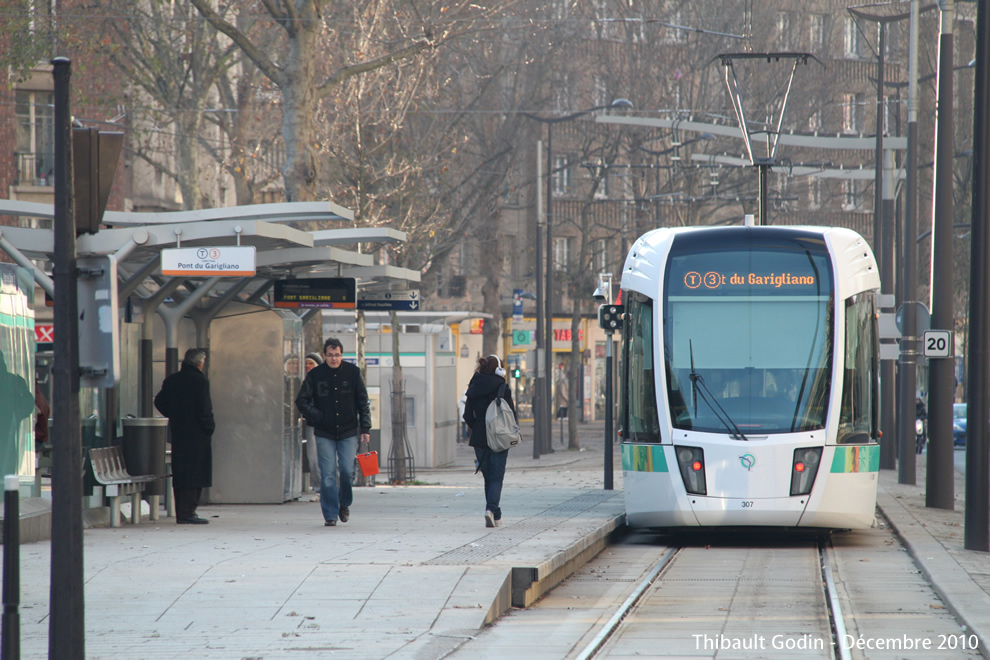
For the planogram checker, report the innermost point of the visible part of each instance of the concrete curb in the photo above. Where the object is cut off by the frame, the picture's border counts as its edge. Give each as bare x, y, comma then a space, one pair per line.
530, 583
968, 603
34, 520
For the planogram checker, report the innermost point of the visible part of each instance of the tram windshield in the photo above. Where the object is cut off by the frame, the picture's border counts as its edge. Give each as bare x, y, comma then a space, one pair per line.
748, 335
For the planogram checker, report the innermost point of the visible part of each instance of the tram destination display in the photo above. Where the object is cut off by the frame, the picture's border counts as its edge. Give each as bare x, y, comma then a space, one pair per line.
324, 292
767, 272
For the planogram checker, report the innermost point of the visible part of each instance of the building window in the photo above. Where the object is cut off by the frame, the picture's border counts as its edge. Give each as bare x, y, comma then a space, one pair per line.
814, 193
562, 95
853, 40
600, 91
850, 114
561, 253
601, 181
601, 258
561, 176
508, 246
816, 31
850, 195
815, 122
35, 137
674, 35
784, 30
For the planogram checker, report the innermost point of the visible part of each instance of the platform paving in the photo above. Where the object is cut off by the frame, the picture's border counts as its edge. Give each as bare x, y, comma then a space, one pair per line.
414, 573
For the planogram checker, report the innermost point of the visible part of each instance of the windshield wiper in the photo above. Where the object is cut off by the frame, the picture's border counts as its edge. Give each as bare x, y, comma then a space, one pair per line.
698, 382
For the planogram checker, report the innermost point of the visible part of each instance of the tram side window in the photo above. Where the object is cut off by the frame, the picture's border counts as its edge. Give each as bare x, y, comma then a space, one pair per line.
640, 422
857, 415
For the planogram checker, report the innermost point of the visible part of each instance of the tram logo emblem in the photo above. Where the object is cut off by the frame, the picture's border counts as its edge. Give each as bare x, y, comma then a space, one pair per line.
711, 280
747, 461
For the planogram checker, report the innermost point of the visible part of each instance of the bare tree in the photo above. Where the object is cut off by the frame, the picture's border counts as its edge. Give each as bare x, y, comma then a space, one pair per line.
320, 50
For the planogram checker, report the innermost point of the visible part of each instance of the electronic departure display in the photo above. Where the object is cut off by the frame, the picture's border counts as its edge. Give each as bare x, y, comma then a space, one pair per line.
325, 292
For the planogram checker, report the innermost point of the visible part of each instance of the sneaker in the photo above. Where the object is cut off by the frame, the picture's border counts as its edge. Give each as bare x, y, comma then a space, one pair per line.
489, 519
330, 523
498, 523
345, 513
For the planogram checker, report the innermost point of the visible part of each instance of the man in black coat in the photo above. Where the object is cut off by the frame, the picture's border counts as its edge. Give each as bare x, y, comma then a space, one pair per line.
185, 400
334, 401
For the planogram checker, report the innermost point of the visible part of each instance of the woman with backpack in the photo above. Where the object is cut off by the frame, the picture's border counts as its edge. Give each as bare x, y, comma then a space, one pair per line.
485, 385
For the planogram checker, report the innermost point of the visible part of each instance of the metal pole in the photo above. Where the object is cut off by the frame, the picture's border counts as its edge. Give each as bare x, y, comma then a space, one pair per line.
941, 379
884, 246
975, 534
764, 211
608, 411
888, 381
548, 300
66, 633
908, 371
878, 166
11, 643
540, 337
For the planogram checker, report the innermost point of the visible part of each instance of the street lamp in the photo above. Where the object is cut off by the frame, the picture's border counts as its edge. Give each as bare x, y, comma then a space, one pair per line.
546, 332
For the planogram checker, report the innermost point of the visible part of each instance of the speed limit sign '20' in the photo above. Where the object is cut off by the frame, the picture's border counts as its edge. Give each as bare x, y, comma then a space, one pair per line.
938, 343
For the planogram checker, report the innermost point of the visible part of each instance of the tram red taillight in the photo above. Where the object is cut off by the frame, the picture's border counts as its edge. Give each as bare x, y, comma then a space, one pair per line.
691, 461
804, 469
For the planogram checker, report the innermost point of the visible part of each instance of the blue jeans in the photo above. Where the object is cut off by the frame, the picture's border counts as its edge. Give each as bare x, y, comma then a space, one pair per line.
492, 466
336, 455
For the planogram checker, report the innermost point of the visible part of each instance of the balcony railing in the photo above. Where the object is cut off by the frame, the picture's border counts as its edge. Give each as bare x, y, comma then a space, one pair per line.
34, 168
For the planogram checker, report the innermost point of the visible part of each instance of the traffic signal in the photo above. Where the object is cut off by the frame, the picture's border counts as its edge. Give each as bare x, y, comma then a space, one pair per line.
610, 317
516, 372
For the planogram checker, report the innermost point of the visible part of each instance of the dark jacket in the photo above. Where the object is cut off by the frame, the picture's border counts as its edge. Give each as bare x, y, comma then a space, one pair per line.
335, 401
481, 392
185, 400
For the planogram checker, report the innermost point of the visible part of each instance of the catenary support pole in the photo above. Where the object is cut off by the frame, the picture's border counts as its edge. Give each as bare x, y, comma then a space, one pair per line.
908, 367
548, 299
941, 377
977, 515
540, 326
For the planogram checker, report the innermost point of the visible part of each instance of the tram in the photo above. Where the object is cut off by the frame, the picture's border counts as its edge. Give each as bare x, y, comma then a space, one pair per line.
749, 388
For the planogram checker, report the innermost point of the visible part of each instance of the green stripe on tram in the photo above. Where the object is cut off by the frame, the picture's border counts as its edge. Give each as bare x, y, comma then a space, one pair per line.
16, 321
643, 458
857, 458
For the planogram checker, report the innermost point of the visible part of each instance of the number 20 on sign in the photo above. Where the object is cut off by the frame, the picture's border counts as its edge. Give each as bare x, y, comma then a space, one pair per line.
938, 343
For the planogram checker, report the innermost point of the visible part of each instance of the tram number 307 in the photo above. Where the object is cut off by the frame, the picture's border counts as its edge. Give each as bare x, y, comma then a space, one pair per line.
748, 504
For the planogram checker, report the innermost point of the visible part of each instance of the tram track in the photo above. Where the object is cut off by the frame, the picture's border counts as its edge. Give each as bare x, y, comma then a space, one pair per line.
763, 639
755, 593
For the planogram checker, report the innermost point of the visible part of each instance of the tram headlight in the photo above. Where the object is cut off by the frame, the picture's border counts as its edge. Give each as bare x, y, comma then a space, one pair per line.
804, 469
691, 461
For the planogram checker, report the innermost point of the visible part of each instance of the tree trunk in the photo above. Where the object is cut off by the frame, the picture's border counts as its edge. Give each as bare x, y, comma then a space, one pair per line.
490, 266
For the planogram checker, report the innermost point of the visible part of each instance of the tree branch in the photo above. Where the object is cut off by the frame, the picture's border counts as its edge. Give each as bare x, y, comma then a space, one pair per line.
271, 70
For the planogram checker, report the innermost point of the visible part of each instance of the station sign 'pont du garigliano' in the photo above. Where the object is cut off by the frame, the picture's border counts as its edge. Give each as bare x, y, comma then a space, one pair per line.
227, 261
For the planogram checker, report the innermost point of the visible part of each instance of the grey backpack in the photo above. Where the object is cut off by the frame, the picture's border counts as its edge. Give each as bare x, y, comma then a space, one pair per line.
501, 426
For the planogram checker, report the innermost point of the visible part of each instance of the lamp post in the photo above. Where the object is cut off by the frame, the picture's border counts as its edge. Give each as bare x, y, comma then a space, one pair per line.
542, 434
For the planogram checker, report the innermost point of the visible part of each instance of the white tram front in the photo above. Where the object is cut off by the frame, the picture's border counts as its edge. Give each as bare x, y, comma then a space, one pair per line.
749, 378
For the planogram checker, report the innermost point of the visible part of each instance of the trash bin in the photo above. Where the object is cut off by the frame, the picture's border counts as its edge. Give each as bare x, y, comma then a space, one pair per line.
144, 449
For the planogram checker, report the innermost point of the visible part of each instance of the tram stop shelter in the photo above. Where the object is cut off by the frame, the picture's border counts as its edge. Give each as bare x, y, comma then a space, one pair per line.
255, 350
